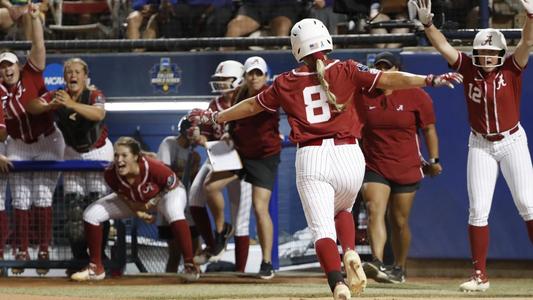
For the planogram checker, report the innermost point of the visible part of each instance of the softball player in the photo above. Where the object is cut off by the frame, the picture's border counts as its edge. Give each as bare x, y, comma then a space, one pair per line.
5, 165
227, 77
325, 126
393, 166
140, 184
492, 90
80, 119
179, 155
32, 136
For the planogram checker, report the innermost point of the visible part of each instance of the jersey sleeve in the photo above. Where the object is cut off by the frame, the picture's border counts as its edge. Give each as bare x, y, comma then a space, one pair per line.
164, 177
97, 98
425, 111
462, 63
269, 98
362, 75
164, 152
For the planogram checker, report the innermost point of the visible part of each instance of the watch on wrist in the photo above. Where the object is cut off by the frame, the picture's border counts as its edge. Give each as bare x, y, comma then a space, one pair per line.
434, 160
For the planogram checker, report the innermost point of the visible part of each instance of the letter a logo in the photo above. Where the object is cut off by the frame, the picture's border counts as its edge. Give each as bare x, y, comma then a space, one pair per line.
488, 41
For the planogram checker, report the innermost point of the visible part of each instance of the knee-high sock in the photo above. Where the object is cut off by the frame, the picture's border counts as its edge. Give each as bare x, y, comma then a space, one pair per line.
93, 237
22, 224
242, 243
479, 245
44, 226
328, 255
529, 225
4, 231
181, 232
203, 224
345, 227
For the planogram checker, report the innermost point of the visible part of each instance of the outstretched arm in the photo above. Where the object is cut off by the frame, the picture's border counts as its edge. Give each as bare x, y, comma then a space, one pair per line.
436, 38
243, 109
393, 80
38, 52
521, 54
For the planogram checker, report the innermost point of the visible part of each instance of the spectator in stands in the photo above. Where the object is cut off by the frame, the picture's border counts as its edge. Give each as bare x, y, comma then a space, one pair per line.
80, 118
393, 172
323, 11
279, 15
15, 12
5, 165
227, 78
179, 155
32, 136
143, 11
386, 10
258, 142
141, 184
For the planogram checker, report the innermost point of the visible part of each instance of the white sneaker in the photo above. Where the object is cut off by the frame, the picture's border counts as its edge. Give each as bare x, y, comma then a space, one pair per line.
356, 277
478, 283
341, 292
88, 274
190, 272
202, 258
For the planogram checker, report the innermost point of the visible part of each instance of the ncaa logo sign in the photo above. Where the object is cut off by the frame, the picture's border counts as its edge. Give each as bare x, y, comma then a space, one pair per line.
53, 77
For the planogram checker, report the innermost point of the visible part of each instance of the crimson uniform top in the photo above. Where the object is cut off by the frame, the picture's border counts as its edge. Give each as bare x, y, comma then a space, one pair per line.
310, 116
493, 99
96, 97
154, 178
211, 132
20, 123
390, 140
2, 119
257, 136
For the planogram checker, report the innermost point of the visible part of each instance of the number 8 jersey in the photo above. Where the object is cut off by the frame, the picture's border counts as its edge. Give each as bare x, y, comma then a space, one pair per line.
310, 115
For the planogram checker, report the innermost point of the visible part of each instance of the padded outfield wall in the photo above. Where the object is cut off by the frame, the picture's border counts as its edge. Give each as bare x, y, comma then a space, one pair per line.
440, 212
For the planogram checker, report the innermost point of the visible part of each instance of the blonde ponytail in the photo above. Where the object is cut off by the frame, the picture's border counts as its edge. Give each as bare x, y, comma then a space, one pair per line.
332, 99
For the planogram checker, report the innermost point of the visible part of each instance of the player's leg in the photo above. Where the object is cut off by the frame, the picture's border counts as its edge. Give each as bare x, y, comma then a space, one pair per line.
172, 207
240, 196
482, 172
317, 199
348, 165
104, 209
517, 170
199, 214
376, 193
399, 210
4, 219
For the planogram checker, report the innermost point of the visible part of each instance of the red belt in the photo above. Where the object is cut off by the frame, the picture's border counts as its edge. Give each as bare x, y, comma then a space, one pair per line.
337, 141
495, 137
47, 132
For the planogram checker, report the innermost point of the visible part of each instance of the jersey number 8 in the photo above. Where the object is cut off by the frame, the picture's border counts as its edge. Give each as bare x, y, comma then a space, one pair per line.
316, 104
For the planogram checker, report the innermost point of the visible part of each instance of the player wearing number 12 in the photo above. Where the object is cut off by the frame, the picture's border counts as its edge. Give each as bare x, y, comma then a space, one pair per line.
318, 99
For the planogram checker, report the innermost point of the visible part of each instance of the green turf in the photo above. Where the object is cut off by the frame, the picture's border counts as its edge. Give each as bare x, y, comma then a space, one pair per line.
420, 288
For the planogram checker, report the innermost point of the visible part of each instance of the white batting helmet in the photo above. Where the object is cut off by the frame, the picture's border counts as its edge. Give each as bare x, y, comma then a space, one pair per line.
309, 36
489, 39
227, 69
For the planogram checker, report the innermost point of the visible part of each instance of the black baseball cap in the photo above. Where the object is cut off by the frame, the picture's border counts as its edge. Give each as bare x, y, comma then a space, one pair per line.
388, 58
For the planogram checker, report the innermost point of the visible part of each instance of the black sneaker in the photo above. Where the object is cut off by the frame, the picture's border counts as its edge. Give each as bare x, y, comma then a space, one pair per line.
221, 241
377, 271
266, 271
397, 275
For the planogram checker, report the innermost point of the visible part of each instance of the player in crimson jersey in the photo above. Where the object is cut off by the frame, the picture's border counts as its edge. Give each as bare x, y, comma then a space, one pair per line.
141, 184
227, 78
325, 126
5, 165
32, 136
492, 87
257, 141
80, 118
393, 165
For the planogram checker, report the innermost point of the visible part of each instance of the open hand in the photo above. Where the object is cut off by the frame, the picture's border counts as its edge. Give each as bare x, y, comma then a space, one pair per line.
446, 79
423, 11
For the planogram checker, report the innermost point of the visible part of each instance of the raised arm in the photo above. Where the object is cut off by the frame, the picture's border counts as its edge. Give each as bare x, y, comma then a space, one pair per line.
521, 54
393, 80
436, 38
38, 52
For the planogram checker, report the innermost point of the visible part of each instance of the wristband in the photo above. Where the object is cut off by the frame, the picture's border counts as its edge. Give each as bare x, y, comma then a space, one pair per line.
433, 161
428, 24
429, 80
530, 15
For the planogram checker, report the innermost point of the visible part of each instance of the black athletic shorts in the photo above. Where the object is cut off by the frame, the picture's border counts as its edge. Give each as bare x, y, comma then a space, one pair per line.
260, 172
396, 188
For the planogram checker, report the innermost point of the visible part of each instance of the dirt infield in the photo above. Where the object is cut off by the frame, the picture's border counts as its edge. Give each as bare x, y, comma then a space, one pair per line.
233, 286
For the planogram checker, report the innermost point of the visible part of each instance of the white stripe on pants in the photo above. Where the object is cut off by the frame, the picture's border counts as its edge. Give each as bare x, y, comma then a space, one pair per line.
328, 178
